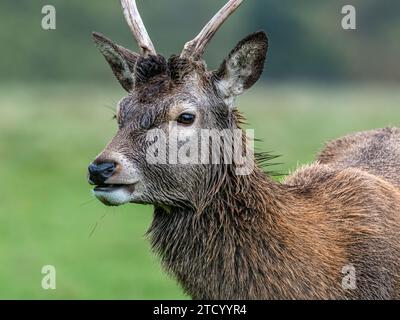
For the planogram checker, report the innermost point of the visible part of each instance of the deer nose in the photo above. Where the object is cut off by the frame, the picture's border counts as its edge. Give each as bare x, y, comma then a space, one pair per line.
100, 172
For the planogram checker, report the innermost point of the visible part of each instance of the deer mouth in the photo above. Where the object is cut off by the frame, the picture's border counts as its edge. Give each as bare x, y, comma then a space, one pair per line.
115, 194
113, 187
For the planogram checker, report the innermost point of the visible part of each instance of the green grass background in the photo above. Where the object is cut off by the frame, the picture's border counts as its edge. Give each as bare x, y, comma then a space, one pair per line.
48, 135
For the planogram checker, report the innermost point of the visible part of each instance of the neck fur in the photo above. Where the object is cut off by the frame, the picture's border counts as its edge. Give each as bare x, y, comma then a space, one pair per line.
223, 249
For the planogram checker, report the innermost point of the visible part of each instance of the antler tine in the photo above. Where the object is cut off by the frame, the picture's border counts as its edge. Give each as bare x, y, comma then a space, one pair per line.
136, 24
196, 47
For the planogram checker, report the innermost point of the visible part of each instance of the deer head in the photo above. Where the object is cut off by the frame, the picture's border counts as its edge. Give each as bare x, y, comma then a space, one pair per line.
179, 91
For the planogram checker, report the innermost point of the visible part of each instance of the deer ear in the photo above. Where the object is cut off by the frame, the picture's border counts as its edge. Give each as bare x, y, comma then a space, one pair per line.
121, 60
243, 67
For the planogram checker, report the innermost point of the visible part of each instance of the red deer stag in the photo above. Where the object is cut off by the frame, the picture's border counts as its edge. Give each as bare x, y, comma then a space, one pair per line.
225, 235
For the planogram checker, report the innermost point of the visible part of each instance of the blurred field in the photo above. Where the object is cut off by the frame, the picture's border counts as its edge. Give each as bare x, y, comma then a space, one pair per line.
49, 134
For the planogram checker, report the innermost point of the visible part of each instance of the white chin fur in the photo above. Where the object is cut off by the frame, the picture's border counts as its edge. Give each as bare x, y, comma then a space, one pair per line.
115, 197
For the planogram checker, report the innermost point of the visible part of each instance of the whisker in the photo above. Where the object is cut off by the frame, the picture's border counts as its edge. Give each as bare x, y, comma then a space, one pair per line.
110, 107
86, 202
96, 224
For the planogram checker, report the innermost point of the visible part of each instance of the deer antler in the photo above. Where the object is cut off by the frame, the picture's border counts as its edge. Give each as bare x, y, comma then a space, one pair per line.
195, 48
136, 24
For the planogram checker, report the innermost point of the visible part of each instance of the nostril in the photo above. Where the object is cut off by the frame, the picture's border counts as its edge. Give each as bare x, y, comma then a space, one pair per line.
108, 169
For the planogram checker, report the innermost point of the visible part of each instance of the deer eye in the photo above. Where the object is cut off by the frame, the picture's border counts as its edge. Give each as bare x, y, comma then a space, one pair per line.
186, 119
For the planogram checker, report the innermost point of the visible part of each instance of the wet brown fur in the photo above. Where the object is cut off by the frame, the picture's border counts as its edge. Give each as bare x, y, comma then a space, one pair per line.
258, 239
